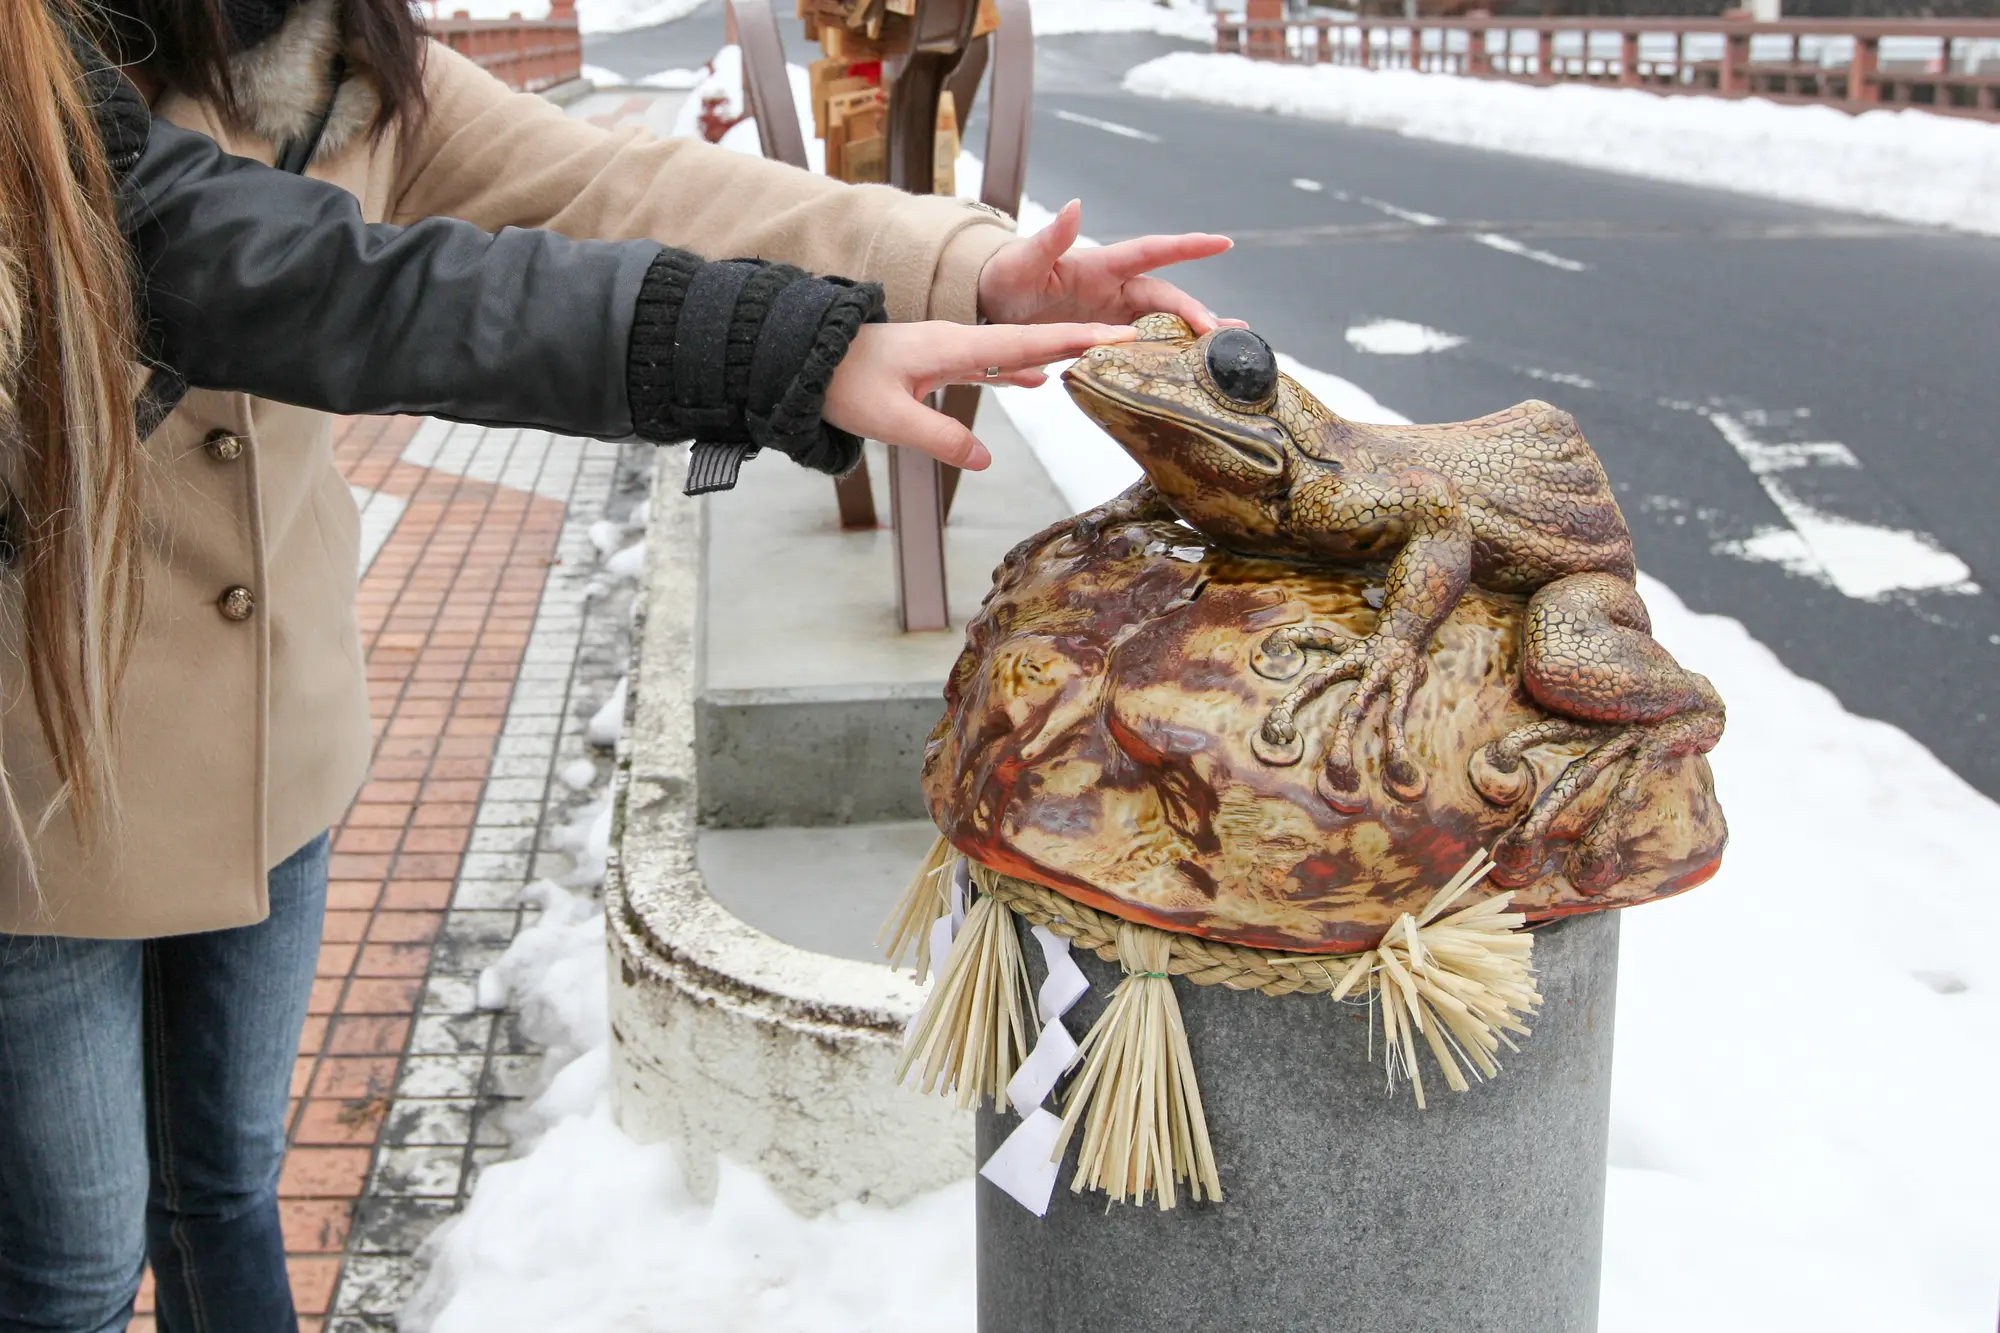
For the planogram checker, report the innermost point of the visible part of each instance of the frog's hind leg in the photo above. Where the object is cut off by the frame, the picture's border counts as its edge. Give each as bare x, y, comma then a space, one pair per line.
1590, 659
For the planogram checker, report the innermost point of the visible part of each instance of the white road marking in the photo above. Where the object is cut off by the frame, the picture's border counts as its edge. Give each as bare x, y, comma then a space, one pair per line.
1399, 337
1309, 186
1491, 239
1108, 126
1508, 245
1403, 214
1559, 377
1866, 561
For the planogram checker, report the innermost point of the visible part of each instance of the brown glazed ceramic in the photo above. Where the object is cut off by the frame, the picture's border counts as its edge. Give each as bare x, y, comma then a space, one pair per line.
1098, 734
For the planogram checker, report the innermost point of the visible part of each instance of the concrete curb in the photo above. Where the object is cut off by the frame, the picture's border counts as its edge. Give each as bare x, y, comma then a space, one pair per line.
726, 1041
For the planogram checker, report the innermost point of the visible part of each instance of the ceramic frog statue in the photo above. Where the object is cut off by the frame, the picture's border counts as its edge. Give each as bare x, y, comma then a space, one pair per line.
1515, 503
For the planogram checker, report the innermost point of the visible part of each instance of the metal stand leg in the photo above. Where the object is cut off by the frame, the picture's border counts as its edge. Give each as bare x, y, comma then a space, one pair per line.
916, 508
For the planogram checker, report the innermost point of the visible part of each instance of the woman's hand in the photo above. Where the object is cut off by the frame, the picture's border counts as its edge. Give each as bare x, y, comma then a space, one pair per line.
1040, 279
889, 368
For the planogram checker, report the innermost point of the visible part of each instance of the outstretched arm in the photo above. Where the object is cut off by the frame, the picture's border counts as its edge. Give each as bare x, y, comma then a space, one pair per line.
263, 282
501, 158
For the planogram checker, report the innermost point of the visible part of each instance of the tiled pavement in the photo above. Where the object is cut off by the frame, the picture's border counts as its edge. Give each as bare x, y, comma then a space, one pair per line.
491, 635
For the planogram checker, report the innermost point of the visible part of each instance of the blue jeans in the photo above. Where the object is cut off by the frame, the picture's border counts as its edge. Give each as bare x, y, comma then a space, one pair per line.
143, 1094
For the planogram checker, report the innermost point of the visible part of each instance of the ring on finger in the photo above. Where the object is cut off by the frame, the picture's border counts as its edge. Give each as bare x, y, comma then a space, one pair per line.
992, 372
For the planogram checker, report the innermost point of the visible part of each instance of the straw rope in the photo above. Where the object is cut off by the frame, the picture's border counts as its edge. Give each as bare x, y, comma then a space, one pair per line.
1458, 980
1135, 1095
973, 1031
1455, 980
1204, 962
908, 929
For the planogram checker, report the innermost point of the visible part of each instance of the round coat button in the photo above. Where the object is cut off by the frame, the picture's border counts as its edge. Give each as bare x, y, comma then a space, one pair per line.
236, 603
223, 447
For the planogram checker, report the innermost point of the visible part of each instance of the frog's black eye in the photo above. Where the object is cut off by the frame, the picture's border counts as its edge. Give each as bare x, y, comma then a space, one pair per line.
1242, 365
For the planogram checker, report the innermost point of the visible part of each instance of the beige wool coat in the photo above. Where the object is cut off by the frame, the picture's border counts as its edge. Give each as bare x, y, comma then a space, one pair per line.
245, 729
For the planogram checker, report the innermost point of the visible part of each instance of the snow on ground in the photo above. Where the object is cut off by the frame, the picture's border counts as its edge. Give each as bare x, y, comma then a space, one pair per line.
591, 15
587, 1231
1399, 337
1907, 165
1170, 18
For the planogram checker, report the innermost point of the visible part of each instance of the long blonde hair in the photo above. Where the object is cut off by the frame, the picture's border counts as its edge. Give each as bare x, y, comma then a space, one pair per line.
66, 389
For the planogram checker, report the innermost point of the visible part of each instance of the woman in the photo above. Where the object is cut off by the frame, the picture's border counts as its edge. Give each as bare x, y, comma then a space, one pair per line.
245, 731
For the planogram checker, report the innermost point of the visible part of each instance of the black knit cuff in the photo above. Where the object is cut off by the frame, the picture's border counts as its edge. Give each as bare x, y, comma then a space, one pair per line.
788, 392
649, 367
738, 356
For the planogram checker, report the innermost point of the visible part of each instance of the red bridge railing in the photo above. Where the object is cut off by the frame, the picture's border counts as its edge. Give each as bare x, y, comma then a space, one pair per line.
1948, 66
530, 54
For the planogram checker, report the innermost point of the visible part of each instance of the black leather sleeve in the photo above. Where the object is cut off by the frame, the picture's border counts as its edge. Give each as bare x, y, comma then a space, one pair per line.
254, 280
272, 284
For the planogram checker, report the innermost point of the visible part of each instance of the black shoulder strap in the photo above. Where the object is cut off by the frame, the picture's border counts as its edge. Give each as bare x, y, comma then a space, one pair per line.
297, 155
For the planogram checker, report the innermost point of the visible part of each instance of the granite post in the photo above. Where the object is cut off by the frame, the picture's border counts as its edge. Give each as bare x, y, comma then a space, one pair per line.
1345, 1209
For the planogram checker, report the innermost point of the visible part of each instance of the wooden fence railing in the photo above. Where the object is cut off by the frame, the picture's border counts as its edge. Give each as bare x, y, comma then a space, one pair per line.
1947, 66
530, 54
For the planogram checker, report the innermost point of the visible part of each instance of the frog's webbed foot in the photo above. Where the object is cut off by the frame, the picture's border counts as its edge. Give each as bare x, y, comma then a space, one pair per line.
1594, 864
1590, 659
1499, 771
1137, 503
1383, 666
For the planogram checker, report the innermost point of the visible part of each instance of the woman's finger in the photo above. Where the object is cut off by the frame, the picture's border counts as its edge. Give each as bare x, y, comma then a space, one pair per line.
907, 422
1145, 253
1017, 346
1054, 241
1025, 378
1156, 295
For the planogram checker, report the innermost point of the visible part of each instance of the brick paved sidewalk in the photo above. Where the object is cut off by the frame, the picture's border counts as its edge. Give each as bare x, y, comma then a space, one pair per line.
491, 633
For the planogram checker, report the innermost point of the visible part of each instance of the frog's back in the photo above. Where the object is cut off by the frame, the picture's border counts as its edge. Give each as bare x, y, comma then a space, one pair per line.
1540, 504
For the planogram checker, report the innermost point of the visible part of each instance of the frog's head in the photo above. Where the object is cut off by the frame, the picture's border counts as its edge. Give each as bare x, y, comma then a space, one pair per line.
1210, 419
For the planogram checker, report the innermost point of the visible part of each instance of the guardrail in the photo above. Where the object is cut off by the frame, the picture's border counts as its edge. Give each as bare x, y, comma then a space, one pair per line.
529, 54
1947, 66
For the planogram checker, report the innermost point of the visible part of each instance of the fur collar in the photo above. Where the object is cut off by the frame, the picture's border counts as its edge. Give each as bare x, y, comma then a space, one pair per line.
282, 82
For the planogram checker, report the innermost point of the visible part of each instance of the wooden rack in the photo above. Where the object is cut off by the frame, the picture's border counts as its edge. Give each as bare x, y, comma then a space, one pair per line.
920, 63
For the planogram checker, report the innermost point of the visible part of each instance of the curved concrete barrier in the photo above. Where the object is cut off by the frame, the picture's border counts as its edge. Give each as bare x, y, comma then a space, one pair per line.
725, 1040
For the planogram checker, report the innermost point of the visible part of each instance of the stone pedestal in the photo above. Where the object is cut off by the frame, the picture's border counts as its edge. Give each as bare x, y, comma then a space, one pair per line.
1346, 1209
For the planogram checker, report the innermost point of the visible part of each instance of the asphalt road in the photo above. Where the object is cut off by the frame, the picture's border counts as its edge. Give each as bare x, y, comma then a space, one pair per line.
1803, 383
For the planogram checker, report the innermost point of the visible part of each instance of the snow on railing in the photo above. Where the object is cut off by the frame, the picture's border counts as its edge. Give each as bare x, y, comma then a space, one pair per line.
1948, 66
529, 54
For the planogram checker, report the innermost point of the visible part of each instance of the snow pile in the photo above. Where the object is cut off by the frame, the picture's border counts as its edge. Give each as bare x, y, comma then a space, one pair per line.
591, 15
1803, 1101
628, 563
553, 974
1399, 337
1191, 19
720, 94
1908, 165
625, 15
589, 1231
586, 840
674, 80
609, 719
